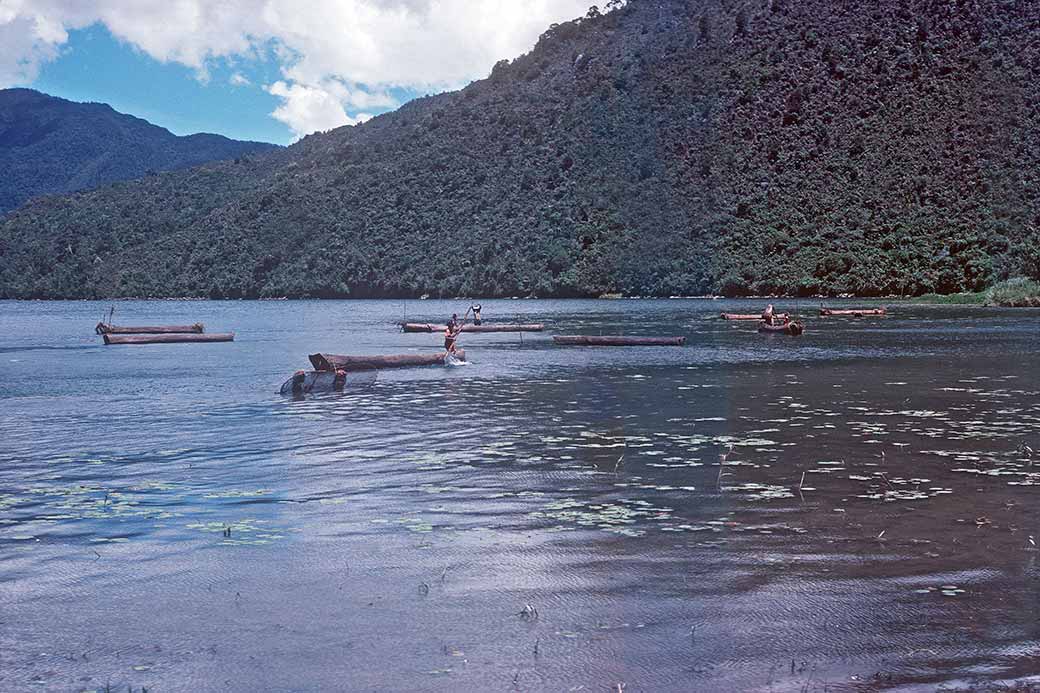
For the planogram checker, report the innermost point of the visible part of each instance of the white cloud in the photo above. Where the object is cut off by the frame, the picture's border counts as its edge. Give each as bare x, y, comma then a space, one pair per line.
349, 53
23, 51
308, 109
239, 80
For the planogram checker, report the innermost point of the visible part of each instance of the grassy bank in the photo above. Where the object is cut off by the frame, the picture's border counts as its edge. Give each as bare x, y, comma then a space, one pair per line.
976, 298
1014, 293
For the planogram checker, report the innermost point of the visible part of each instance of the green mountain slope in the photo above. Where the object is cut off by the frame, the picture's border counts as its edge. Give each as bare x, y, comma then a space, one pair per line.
50, 145
667, 147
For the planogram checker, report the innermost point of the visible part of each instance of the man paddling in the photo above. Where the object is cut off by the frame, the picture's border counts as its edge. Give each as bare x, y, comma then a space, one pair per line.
476, 313
450, 334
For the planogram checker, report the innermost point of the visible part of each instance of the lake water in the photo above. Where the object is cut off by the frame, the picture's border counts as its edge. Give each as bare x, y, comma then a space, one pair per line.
543, 519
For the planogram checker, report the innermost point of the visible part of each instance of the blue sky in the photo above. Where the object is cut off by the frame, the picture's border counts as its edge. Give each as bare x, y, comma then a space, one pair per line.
95, 66
270, 70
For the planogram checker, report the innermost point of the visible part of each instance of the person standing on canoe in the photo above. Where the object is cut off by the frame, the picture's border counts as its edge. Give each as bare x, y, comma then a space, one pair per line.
476, 313
767, 314
449, 337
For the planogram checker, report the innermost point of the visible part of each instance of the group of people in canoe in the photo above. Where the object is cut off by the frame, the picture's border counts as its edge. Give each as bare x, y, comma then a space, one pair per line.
769, 321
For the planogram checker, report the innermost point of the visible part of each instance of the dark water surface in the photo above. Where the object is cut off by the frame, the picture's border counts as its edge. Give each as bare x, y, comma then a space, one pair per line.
545, 518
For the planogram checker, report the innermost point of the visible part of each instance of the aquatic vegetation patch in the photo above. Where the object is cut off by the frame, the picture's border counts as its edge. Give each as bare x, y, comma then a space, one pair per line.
413, 523
517, 494
686, 527
617, 517
244, 532
93, 502
238, 494
761, 492
885, 488
944, 590
153, 486
675, 463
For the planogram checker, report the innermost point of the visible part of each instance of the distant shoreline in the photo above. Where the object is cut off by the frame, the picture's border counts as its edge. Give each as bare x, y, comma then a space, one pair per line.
927, 299
1018, 292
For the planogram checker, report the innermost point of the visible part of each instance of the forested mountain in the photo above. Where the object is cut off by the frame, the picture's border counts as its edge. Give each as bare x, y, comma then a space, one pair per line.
666, 147
50, 145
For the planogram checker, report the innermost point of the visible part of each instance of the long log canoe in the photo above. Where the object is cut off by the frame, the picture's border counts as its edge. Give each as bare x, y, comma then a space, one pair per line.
167, 338
617, 340
749, 316
105, 328
854, 312
792, 328
333, 362
469, 327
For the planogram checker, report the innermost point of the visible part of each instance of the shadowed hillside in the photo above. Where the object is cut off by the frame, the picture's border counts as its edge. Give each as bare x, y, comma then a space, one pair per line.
667, 147
50, 145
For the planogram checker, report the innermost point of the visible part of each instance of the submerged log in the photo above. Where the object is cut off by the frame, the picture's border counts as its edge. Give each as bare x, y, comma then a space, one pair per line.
854, 312
167, 338
104, 328
618, 340
792, 328
749, 316
469, 327
332, 362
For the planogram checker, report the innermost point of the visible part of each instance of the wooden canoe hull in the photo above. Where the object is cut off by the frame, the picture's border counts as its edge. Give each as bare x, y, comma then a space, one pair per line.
313, 382
617, 340
749, 316
103, 328
430, 327
167, 338
331, 362
856, 313
791, 328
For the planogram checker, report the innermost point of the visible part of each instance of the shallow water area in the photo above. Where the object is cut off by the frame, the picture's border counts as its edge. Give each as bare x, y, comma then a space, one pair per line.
851, 509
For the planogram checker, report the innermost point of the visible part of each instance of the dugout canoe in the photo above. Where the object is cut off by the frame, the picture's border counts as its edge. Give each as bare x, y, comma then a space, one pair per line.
430, 327
167, 338
791, 328
105, 328
854, 312
749, 316
312, 382
617, 340
331, 362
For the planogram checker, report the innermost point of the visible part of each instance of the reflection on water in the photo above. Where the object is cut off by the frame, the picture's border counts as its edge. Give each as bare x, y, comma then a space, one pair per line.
845, 510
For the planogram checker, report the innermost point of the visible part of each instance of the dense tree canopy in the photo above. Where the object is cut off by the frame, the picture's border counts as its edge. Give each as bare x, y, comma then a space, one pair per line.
665, 147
